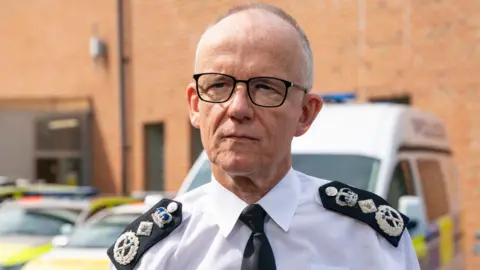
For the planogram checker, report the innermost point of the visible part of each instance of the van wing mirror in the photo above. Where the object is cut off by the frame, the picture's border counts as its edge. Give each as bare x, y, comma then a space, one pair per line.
412, 224
412, 207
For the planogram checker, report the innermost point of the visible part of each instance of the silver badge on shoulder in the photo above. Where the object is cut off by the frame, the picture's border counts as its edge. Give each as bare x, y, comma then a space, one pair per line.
163, 216
346, 197
389, 220
126, 248
331, 191
367, 206
145, 228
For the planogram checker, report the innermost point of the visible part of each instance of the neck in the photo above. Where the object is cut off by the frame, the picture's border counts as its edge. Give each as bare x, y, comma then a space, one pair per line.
252, 187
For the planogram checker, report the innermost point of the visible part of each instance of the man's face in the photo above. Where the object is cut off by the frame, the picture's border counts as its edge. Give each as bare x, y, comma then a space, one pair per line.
239, 137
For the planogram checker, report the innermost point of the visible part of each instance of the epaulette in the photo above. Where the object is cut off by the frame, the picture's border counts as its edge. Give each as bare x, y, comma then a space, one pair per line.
144, 232
366, 207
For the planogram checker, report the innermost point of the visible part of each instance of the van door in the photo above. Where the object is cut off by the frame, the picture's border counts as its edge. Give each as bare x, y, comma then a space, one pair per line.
442, 217
403, 183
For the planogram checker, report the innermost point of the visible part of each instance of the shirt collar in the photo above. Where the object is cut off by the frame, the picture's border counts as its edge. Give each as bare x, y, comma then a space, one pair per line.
226, 207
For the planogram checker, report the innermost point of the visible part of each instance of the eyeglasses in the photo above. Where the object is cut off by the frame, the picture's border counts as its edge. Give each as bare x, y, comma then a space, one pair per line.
262, 91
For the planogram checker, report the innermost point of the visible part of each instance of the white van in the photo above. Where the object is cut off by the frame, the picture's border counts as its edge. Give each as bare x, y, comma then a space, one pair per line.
396, 151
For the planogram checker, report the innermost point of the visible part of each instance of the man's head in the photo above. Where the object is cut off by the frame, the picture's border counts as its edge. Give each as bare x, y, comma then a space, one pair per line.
249, 132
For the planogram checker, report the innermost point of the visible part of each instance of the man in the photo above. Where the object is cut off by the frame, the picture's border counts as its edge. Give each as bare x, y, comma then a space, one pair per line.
249, 98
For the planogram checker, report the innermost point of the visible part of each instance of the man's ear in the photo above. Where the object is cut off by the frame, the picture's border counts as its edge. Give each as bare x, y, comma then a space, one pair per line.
312, 104
193, 102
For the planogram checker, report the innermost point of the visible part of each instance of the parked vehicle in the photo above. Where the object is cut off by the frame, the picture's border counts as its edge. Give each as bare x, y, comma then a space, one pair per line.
86, 247
396, 151
29, 224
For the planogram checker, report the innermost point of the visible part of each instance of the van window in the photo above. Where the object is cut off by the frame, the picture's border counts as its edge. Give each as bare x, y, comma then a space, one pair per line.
401, 183
355, 170
453, 188
433, 187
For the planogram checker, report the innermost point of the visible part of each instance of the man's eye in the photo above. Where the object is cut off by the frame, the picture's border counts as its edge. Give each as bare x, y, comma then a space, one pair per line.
263, 86
218, 85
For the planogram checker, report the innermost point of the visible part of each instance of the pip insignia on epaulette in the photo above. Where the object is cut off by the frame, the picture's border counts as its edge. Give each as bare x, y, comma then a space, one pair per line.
366, 207
143, 233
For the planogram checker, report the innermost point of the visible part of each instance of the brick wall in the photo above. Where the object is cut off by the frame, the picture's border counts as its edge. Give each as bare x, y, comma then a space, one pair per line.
44, 52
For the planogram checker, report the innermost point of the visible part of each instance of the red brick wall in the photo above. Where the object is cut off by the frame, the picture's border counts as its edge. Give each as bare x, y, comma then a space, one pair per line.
44, 52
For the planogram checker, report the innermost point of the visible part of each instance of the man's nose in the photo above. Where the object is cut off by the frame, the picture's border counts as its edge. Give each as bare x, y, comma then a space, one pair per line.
240, 107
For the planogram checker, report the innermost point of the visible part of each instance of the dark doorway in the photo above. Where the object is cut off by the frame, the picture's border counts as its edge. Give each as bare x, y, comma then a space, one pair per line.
47, 170
154, 139
71, 171
63, 142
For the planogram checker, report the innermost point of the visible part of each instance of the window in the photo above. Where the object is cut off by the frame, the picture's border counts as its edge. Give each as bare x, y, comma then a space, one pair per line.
358, 171
433, 186
154, 156
453, 188
401, 184
15, 221
101, 234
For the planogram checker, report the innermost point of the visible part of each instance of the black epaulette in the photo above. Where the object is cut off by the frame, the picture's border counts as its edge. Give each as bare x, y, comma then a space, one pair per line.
366, 207
143, 233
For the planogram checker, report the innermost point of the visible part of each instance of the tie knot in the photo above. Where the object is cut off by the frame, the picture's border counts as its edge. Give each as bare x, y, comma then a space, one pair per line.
254, 217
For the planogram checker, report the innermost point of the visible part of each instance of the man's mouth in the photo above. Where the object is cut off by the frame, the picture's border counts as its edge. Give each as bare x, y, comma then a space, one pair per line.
240, 137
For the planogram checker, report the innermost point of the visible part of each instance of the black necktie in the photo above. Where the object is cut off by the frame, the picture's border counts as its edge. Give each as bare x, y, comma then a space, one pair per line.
258, 254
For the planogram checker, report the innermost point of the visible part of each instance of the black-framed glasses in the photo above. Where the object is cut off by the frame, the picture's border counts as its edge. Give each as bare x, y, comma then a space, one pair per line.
262, 91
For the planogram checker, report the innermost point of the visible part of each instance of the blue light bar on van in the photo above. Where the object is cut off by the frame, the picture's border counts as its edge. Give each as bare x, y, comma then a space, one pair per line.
338, 97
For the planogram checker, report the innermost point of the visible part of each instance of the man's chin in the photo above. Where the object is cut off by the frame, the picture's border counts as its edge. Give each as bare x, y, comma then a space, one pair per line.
239, 168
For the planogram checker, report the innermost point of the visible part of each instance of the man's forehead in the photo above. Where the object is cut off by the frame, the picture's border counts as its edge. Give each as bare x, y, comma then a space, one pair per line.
251, 19
254, 27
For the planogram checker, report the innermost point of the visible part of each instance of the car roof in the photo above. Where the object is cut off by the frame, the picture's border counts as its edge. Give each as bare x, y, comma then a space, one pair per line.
132, 208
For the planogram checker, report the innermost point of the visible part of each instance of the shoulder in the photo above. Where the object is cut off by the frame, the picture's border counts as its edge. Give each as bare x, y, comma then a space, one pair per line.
165, 218
144, 232
194, 196
365, 207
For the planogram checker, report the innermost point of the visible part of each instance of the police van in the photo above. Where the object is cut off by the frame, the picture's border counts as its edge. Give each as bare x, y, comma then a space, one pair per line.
396, 151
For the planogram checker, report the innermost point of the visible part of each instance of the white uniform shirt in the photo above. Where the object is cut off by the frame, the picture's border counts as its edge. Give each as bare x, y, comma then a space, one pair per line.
302, 233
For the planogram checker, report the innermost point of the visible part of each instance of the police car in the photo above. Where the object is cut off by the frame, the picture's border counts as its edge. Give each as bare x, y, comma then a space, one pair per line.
27, 229
86, 247
396, 151
28, 224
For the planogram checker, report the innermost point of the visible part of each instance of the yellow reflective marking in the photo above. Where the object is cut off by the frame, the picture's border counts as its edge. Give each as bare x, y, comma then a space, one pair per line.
27, 255
420, 246
68, 264
109, 202
445, 225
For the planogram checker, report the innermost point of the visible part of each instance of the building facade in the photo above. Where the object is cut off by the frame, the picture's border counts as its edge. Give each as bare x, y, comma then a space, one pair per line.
53, 68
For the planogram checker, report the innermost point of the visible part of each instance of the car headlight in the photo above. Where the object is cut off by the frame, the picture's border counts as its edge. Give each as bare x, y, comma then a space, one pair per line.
12, 267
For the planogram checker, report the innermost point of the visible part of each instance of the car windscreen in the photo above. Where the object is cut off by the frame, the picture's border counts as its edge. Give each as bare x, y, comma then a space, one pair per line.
358, 171
15, 220
102, 233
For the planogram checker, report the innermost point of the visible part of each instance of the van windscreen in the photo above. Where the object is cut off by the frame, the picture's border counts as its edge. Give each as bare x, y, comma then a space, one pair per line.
355, 170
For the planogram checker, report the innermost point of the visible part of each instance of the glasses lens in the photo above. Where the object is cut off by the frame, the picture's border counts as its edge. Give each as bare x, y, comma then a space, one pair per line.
267, 91
215, 87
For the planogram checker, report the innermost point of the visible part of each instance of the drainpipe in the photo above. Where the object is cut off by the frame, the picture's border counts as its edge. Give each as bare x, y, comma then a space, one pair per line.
122, 90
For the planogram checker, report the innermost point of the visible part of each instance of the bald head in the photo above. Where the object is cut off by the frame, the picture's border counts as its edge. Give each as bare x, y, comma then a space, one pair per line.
259, 23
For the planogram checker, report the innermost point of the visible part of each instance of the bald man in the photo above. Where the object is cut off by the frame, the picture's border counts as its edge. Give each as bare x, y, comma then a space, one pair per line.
250, 95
